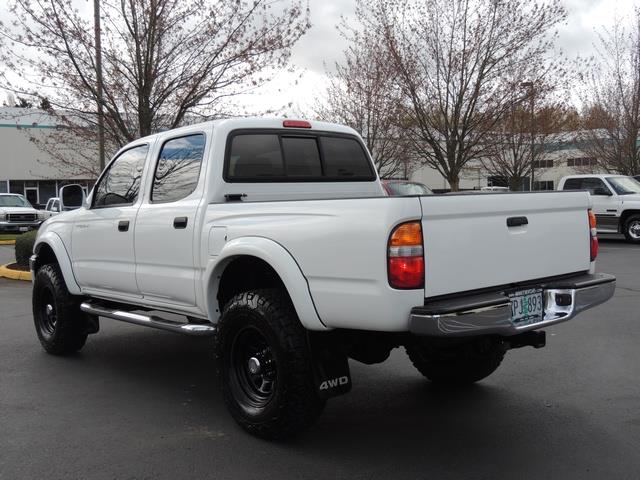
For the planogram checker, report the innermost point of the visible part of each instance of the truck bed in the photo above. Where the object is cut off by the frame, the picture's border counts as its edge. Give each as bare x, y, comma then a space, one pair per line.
341, 246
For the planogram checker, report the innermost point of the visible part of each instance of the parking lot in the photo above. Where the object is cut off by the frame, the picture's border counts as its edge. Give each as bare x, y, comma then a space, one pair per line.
139, 403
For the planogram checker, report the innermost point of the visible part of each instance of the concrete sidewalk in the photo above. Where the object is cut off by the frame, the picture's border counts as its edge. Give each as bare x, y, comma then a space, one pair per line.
7, 254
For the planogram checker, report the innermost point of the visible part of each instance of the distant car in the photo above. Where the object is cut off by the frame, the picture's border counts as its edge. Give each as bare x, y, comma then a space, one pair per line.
403, 188
17, 214
494, 189
52, 208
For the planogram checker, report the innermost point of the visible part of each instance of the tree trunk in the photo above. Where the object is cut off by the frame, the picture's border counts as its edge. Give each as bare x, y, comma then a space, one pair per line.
454, 183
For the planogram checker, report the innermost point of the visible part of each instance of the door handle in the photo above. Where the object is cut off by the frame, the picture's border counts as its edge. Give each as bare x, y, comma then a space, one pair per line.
517, 221
123, 225
180, 222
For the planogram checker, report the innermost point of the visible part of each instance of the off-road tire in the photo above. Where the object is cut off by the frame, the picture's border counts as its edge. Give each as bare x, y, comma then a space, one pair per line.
457, 364
631, 226
60, 324
292, 405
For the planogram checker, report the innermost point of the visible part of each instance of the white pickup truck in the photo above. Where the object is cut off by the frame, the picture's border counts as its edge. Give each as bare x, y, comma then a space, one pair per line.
276, 237
17, 215
615, 199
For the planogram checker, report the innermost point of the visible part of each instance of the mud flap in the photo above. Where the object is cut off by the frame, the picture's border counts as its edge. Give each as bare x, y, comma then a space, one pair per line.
330, 365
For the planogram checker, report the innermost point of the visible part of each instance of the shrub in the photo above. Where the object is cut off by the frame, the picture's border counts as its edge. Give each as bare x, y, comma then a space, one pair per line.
24, 247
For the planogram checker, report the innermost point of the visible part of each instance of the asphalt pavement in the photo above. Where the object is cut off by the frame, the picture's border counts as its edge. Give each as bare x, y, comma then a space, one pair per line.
144, 404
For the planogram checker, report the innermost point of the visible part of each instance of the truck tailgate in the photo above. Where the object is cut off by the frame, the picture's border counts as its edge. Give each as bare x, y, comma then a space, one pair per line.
468, 244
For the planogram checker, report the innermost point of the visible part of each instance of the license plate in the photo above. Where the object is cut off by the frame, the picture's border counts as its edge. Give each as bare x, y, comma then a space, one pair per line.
23, 229
526, 307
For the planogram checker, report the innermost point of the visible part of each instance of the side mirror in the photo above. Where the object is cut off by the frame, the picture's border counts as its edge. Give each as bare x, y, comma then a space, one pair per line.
602, 191
71, 197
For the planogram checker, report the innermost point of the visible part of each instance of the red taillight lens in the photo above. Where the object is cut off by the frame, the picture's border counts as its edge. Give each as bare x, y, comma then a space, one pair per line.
406, 272
296, 124
406, 256
594, 248
593, 235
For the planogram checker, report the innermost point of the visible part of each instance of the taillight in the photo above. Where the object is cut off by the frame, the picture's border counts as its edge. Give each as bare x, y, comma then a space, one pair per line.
593, 235
406, 256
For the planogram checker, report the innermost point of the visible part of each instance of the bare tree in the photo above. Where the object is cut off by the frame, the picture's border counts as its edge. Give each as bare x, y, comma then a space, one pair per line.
166, 62
457, 64
363, 94
611, 99
514, 152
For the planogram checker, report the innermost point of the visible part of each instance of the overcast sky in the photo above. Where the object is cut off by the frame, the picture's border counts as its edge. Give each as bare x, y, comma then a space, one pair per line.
323, 45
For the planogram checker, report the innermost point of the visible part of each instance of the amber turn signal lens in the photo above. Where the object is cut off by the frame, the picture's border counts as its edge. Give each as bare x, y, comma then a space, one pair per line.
406, 234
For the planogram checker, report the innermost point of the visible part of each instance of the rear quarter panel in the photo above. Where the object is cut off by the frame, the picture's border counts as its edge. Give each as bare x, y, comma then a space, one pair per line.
339, 245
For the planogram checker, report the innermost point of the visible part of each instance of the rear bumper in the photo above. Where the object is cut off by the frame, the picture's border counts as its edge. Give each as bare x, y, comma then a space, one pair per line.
490, 313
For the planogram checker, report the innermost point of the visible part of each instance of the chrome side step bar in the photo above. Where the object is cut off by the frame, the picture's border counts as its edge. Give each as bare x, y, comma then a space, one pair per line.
152, 321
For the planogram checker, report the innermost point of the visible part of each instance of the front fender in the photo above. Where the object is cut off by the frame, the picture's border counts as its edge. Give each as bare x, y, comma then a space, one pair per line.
280, 260
56, 244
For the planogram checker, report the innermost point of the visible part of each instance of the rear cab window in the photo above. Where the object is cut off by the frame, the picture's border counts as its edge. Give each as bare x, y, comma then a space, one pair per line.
285, 156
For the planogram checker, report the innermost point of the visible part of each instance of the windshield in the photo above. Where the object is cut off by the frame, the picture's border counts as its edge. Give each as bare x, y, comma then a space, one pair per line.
13, 201
407, 188
624, 185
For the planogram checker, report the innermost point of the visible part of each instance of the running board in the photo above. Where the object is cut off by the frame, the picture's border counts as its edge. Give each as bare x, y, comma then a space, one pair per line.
152, 321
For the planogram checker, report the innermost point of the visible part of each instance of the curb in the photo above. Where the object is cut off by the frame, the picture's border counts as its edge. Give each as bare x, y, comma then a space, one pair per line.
14, 274
7, 242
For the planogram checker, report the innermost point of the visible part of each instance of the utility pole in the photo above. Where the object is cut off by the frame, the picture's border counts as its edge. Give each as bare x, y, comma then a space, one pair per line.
99, 86
530, 86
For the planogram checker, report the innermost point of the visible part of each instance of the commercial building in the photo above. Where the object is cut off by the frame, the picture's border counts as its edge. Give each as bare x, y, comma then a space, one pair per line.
26, 168
563, 155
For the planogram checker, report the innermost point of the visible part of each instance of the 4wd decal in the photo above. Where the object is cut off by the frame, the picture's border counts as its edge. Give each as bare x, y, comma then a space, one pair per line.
334, 382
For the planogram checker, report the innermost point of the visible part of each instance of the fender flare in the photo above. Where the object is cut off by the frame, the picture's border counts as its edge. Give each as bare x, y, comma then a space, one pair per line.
280, 260
53, 241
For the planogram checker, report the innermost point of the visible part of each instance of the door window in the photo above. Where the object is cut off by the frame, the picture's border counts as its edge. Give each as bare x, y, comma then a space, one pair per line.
178, 168
120, 184
595, 186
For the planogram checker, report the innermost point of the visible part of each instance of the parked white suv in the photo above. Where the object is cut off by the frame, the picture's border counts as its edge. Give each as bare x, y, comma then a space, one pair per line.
276, 237
616, 202
17, 215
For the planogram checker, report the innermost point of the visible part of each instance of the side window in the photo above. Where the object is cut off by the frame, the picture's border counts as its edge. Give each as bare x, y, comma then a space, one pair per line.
344, 157
594, 185
573, 184
49, 205
120, 184
178, 168
55, 206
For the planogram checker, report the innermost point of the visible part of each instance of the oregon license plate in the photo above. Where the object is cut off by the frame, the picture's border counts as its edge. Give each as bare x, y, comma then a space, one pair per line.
526, 307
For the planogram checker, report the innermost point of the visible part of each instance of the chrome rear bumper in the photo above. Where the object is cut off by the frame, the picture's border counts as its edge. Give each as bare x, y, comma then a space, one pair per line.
490, 314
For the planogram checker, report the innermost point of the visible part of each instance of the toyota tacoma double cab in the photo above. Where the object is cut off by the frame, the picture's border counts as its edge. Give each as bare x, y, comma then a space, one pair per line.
276, 238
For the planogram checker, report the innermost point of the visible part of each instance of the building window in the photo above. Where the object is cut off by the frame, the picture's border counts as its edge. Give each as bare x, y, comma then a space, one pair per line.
4, 186
543, 164
16, 186
543, 185
47, 190
581, 162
